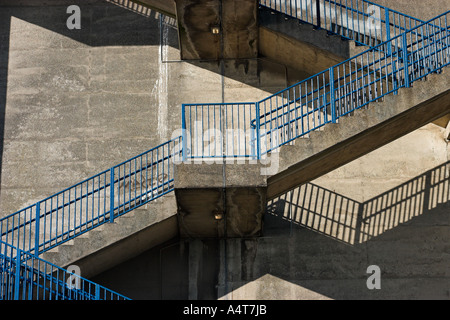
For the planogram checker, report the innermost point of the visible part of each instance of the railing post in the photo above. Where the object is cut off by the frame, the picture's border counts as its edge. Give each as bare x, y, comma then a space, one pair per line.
17, 275
97, 292
183, 133
332, 97
388, 28
111, 196
257, 132
405, 60
37, 229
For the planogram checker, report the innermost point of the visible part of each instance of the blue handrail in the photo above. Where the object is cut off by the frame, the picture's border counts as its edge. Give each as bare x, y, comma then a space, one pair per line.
26, 277
338, 91
94, 201
362, 21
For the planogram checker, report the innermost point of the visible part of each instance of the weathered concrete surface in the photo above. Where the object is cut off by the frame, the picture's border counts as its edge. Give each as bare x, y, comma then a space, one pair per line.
76, 102
236, 20
320, 264
236, 192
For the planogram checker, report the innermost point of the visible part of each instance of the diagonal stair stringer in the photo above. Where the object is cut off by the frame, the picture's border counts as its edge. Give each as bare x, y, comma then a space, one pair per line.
364, 131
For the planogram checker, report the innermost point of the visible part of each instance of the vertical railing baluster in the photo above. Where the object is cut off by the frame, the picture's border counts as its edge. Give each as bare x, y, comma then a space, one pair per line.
332, 97
405, 60
17, 275
257, 132
37, 229
111, 196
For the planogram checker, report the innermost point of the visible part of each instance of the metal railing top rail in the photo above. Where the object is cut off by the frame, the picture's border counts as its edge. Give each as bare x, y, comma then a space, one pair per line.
364, 22
26, 277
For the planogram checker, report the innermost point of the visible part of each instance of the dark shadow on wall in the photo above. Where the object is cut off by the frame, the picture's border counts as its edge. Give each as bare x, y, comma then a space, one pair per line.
346, 220
315, 241
334, 239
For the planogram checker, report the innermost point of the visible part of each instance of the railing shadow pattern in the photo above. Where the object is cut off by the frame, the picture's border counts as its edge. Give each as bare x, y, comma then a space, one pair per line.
351, 222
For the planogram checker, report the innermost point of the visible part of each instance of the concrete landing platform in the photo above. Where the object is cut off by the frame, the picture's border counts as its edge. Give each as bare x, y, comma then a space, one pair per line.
220, 200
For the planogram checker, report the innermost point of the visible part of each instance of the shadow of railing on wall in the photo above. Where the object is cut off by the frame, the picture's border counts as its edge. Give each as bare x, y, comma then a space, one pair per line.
346, 220
144, 11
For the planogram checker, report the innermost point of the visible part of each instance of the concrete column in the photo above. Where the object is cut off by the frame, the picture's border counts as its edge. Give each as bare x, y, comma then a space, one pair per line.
195, 261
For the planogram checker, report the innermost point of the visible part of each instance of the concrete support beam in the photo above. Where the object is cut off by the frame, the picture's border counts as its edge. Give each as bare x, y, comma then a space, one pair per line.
217, 29
220, 201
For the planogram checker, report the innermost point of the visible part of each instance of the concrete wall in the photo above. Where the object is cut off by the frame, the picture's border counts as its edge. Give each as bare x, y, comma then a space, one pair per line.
75, 102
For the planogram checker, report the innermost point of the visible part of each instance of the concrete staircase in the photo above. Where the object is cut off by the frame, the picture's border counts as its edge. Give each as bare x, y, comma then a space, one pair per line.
304, 160
362, 132
109, 244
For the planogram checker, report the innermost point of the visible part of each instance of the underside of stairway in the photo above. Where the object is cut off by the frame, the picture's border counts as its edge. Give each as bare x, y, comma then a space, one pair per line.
160, 220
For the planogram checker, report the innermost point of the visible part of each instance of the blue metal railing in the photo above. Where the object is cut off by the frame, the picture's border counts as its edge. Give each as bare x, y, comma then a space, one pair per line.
362, 21
216, 130
325, 97
233, 130
26, 277
94, 201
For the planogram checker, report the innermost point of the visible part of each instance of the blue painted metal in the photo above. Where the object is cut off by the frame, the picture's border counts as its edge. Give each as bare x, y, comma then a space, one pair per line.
86, 205
299, 109
26, 277
218, 130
